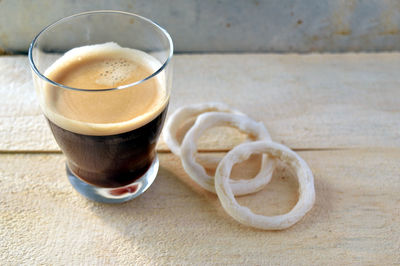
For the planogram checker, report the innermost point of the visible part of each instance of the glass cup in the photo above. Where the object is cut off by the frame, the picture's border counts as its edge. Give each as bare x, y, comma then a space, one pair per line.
107, 133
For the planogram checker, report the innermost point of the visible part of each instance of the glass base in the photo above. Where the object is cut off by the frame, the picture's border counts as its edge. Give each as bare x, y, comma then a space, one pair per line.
115, 195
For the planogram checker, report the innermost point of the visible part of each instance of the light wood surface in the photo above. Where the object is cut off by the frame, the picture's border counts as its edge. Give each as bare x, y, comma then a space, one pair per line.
306, 101
340, 112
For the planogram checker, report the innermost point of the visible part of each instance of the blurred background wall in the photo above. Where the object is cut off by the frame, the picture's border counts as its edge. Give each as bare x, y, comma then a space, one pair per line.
229, 25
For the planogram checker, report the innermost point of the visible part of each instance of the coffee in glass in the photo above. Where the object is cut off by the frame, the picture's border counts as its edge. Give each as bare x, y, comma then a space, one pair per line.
106, 105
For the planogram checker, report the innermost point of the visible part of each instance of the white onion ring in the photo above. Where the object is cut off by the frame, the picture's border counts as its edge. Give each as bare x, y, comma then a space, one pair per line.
243, 214
183, 114
212, 119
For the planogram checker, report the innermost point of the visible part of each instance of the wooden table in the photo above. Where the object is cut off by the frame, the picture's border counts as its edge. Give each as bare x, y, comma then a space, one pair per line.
340, 112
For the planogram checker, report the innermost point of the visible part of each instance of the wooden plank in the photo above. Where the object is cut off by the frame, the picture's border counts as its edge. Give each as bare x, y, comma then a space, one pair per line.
306, 101
355, 219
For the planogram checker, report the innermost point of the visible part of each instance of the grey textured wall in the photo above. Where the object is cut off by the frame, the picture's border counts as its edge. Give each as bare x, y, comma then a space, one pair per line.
230, 26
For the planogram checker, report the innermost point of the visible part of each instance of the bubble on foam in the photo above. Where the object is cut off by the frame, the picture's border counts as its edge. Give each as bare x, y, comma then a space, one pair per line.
134, 55
115, 71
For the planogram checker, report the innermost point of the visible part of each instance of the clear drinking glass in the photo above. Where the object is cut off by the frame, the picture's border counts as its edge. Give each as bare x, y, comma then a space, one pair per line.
107, 134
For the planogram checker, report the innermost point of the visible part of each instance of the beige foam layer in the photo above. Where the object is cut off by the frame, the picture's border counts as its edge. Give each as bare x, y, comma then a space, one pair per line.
84, 125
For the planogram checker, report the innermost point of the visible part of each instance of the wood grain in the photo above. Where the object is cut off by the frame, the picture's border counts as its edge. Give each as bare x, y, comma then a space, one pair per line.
355, 219
340, 112
306, 101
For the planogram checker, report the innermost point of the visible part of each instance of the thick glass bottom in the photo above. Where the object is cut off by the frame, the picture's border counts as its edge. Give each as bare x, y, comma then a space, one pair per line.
115, 195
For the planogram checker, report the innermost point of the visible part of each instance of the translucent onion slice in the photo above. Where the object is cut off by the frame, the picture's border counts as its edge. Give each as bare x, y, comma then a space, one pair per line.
243, 214
197, 172
185, 113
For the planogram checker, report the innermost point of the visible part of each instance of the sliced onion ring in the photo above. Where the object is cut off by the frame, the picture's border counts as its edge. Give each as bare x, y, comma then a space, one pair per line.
243, 123
182, 114
243, 214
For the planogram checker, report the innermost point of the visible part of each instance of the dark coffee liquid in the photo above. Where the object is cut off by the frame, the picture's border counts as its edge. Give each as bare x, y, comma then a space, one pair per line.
114, 160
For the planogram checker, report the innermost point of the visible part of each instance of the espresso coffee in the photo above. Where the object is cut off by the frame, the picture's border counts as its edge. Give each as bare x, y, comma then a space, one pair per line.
108, 136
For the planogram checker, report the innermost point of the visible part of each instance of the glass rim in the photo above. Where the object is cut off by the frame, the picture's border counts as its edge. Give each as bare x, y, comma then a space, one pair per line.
155, 73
